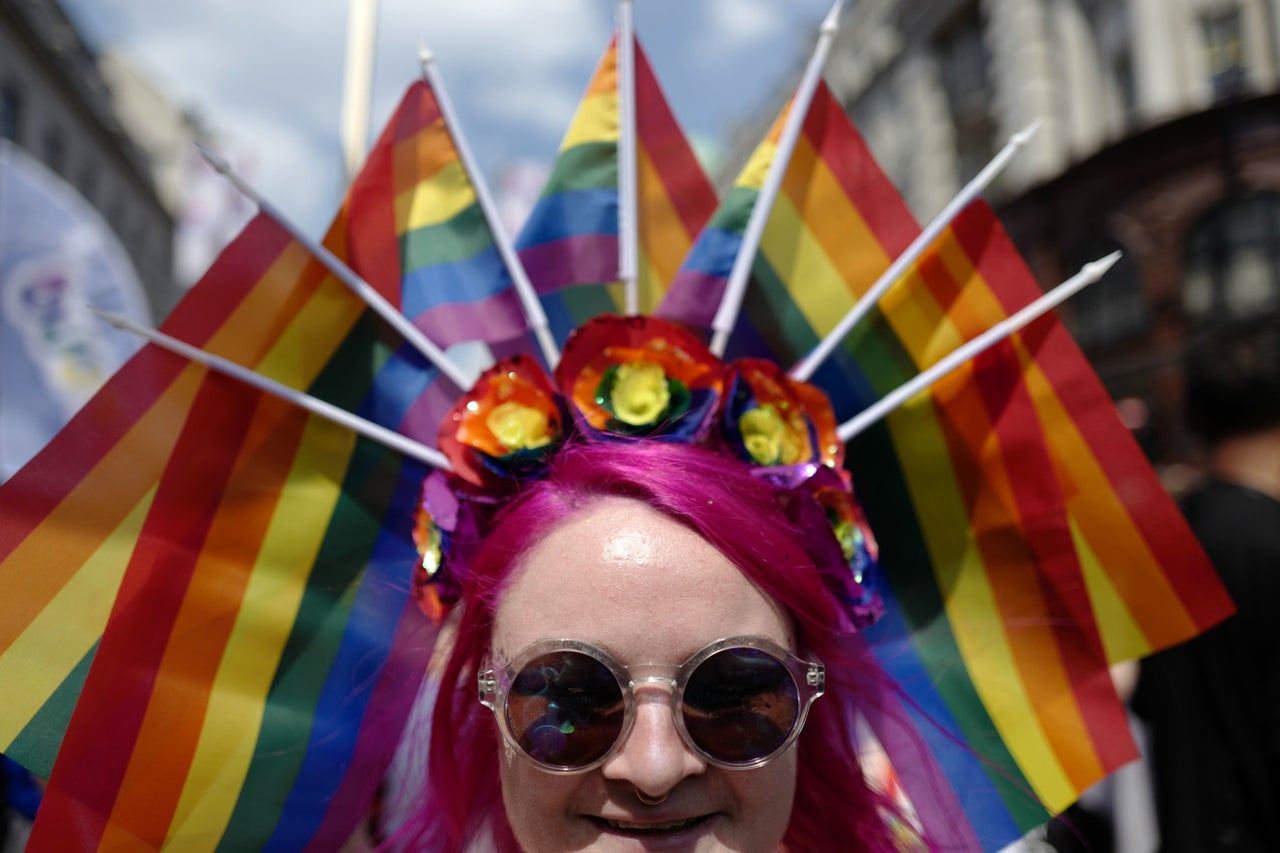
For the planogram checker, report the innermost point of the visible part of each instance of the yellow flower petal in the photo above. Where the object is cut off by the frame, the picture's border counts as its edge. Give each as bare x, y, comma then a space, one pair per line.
518, 427
639, 394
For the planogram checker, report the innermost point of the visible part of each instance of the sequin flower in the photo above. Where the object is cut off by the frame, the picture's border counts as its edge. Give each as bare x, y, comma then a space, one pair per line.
506, 427
640, 377
771, 419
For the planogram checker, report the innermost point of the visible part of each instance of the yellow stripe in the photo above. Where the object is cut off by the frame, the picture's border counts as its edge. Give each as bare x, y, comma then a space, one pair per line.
263, 624
254, 323
59, 638
970, 600
446, 194
1122, 639
596, 120
299, 355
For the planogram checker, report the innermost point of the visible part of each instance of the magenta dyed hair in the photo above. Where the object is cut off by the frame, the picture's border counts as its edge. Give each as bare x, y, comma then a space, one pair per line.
787, 555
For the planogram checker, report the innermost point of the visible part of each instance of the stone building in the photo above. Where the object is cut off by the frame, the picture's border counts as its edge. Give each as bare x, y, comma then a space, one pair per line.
1160, 136
55, 103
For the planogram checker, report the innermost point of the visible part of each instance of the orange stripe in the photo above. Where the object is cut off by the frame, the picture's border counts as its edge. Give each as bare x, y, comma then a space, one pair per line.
419, 157
662, 235
170, 730
604, 80
69, 535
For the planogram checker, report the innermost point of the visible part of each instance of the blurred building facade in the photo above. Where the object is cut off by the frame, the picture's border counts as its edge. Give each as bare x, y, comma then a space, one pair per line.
56, 104
1160, 136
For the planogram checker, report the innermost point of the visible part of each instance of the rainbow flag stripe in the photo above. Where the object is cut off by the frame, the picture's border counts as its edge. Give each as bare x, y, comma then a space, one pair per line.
1025, 542
571, 236
221, 579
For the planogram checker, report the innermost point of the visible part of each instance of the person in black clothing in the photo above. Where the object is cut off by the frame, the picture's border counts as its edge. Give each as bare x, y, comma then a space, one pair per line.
1213, 704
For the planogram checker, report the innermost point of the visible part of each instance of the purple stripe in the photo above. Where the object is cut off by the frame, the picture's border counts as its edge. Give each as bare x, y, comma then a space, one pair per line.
379, 736
581, 259
495, 318
693, 298
423, 417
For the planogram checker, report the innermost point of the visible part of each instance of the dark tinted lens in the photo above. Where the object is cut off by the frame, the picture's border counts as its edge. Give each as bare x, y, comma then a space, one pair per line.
565, 709
740, 705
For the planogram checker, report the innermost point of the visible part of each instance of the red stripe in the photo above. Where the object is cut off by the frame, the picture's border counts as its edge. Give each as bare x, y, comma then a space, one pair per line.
417, 110
686, 183
1151, 512
844, 152
100, 738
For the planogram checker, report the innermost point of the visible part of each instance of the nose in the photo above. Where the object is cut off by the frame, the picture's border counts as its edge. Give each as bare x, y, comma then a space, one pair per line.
653, 758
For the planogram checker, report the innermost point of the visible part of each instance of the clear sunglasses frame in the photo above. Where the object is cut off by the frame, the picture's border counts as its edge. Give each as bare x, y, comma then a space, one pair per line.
808, 677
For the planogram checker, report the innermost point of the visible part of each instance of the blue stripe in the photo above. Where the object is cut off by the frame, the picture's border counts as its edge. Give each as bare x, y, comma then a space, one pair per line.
713, 253
371, 625
400, 381
570, 214
478, 277
892, 646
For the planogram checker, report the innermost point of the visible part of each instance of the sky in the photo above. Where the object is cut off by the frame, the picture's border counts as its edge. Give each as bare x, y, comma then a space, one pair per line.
266, 76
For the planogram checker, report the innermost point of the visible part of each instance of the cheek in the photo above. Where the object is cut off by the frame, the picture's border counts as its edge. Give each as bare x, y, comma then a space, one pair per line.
766, 797
536, 805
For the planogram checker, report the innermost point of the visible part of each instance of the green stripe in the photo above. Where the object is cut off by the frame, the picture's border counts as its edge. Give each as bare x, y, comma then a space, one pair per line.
589, 166
323, 611
37, 744
463, 236
735, 210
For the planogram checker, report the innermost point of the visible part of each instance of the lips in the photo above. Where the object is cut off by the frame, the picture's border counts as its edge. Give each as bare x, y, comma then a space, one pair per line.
664, 826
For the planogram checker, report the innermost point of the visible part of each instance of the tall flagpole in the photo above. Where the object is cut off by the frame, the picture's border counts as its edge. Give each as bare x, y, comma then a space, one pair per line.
731, 303
520, 280
628, 195
362, 28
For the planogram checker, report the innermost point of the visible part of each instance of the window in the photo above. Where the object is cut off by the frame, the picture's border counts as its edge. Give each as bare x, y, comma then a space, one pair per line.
10, 112
1112, 309
1224, 52
964, 66
1232, 264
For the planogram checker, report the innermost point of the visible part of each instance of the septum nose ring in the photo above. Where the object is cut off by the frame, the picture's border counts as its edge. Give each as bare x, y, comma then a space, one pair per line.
650, 801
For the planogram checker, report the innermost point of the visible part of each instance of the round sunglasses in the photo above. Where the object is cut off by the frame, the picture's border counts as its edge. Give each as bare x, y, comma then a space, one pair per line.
567, 705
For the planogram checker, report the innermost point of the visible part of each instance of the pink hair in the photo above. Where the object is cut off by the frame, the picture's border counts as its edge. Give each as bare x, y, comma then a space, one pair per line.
790, 555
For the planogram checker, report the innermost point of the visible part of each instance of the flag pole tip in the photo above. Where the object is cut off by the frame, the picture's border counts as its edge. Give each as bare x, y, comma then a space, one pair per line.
426, 55
1097, 269
218, 164
1023, 136
832, 22
114, 319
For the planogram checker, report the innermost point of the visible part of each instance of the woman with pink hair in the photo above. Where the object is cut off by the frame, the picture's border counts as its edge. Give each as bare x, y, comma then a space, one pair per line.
655, 646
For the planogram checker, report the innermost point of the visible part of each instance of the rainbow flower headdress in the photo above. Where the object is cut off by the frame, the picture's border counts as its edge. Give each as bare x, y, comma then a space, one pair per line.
634, 379
208, 627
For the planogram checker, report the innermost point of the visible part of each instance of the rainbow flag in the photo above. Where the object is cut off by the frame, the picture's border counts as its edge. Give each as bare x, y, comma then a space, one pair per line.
1025, 542
571, 236
204, 592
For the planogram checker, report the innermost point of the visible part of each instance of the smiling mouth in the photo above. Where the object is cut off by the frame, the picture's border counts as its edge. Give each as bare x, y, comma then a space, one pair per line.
646, 828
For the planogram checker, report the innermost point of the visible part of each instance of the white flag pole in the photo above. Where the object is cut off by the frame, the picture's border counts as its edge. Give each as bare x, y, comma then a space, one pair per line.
731, 303
1088, 274
628, 142
302, 400
806, 366
524, 288
346, 275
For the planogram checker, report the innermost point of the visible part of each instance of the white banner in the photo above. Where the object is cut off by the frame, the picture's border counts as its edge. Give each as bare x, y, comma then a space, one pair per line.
57, 257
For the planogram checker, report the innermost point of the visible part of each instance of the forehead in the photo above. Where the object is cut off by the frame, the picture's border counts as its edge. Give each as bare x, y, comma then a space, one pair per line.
626, 577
